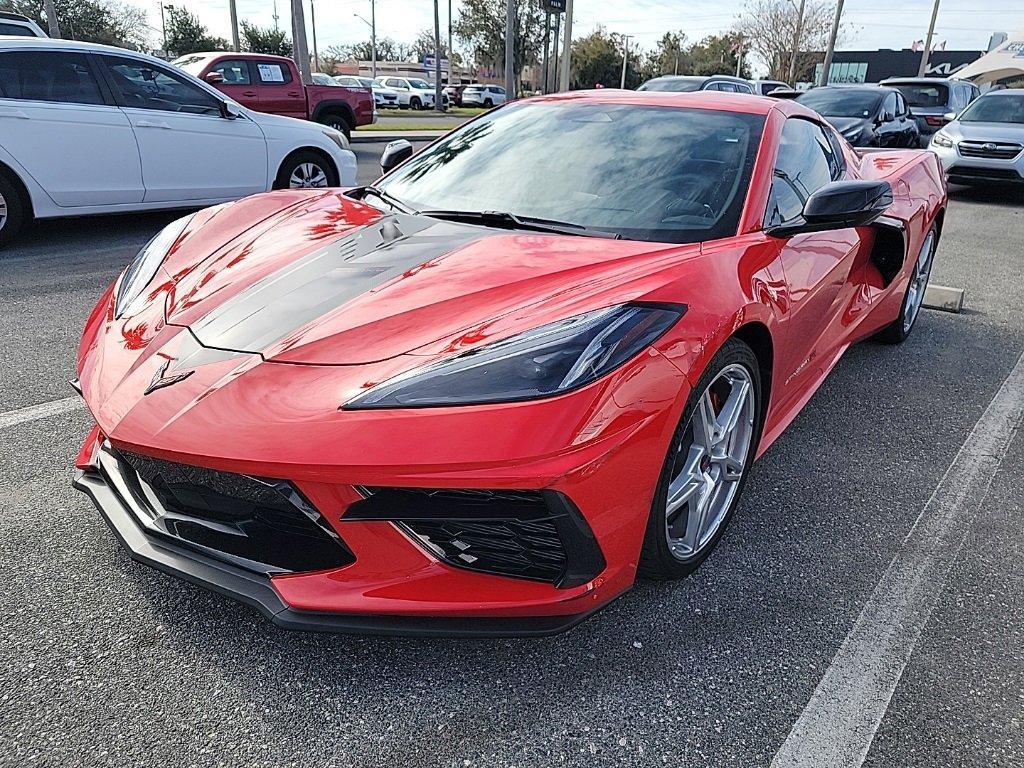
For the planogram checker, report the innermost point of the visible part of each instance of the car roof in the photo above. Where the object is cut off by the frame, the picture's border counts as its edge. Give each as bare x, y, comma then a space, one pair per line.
716, 100
51, 43
930, 80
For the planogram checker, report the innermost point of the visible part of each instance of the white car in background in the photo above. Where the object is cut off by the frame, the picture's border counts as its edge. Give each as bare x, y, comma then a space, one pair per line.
984, 144
19, 26
87, 129
383, 98
413, 93
481, 95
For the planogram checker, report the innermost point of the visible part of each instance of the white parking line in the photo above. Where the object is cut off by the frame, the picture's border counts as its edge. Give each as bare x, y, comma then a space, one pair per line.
41, 411
839, 723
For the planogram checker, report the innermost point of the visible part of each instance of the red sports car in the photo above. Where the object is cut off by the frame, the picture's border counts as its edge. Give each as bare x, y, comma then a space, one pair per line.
531, 363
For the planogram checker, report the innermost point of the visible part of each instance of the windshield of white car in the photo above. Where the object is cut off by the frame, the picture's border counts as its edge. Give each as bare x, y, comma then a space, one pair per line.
421, 84
661, 174
842, 102
995, 109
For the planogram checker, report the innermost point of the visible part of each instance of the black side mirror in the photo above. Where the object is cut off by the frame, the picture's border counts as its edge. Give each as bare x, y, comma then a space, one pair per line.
839, 205
229, 111
394, 154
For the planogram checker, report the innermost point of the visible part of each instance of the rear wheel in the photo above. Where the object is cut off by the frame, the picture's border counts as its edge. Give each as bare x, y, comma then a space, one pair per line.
706, 467
306, 170
415, 102
338, 122
13, 213
898, 331
488, 103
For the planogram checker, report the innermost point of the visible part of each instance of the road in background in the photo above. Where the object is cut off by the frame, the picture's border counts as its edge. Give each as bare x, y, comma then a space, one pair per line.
103, 661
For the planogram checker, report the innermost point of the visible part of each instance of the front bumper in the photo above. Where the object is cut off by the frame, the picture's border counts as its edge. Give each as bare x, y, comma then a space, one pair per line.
962, 169
109, 491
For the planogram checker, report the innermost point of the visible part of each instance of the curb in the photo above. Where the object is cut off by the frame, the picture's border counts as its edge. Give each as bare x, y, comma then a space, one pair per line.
370, 137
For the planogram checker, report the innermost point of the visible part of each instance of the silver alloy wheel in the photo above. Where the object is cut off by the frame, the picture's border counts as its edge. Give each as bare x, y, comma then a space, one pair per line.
307, 175
3, 210
919, 282
710, 462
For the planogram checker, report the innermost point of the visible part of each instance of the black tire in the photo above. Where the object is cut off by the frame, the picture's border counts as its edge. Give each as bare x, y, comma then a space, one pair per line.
17, 213
337, 121
415, 103
488, 103
898, 330
656, 559
305, 156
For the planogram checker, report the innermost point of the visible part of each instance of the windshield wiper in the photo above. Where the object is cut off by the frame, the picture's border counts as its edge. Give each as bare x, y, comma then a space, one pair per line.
388, 198
515, 221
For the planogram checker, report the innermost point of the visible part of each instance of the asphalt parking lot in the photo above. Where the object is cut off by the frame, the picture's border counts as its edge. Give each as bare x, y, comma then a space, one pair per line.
106, 662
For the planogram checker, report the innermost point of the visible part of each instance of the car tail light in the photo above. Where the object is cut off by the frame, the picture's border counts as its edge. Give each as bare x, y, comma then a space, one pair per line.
936, 120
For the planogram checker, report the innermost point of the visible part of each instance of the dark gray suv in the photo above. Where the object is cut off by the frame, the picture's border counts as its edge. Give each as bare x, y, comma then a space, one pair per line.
931, 98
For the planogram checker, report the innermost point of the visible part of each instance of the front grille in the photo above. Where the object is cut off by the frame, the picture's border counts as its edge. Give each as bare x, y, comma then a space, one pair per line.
537, 535
992, 150
261, 524
963, 171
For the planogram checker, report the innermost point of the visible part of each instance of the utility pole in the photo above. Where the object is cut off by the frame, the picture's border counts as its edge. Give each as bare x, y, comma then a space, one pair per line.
300, 51
234, 26
438, 99
163, 29
547, 51
373, 38
563, 84
510, 42
554, 54
827, 66
796, 43
275, 17
625, 60
923, 69
51, 19
312, 24
449, 42
739, 53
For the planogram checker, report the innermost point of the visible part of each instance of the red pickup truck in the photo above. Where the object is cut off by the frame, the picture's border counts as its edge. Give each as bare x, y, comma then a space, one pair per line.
272, 84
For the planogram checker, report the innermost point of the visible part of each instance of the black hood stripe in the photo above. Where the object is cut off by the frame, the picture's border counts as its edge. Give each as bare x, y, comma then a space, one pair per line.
273, 308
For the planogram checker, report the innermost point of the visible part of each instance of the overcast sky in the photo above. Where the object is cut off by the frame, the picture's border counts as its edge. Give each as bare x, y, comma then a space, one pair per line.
963, 24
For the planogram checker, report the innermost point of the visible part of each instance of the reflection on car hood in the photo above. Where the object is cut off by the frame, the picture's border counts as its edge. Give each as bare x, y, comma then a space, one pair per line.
334, 281
844, 124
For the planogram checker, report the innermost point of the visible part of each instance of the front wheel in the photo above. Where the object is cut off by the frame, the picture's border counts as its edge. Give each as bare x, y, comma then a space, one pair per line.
12, 211
707, 464
306, 170
900, 328
415, 103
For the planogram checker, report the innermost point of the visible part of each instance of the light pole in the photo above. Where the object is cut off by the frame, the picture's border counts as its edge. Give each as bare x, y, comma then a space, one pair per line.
510, 34
796, 43
823, 80
300, 53
233, 11
923, 69
438, 103
312, 24
563, 84
625, 59
163, 27
373, 40
51, 19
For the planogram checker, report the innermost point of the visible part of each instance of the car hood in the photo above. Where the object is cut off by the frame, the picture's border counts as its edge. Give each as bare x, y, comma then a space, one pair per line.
328, 280
845, 124
1003, 132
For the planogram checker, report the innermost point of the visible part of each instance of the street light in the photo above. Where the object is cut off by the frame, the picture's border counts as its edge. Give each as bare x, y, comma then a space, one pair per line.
373, 37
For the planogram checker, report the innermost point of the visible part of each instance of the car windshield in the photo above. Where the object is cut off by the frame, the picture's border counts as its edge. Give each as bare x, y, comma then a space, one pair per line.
191, 64
421, 84
677, 84
367, 82
996, 109
662, 174
842, 102
924, 94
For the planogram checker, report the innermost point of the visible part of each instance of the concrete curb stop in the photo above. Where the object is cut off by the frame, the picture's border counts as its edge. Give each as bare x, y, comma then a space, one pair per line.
944, 298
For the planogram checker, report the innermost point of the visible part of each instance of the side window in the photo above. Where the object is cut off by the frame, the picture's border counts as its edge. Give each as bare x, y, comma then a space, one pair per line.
15, 29
143, 86
272, 73
396, 83
889, 105
64, 78
234, 71
806, 162
901, 105
741, 88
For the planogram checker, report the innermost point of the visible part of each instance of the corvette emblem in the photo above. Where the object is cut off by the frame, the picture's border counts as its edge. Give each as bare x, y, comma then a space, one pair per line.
160, 380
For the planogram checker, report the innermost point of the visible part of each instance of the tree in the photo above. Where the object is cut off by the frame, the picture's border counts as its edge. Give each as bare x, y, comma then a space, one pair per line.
423, 45
481, 24
597, 59
716, 55
186, 34
94, 21
768, 28
669, 57
387, 50
265, 40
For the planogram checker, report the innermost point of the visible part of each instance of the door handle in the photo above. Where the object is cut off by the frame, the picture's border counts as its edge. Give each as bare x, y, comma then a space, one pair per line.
16, 113
248, 93
148, 124
294, 93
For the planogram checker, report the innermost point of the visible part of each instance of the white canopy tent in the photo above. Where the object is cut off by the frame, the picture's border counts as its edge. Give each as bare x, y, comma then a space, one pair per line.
1005, 61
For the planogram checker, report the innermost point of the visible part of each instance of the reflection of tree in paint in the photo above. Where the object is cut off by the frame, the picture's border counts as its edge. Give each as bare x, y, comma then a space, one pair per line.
451, 149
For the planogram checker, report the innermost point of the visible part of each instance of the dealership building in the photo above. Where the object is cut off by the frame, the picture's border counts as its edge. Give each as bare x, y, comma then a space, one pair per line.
874, 66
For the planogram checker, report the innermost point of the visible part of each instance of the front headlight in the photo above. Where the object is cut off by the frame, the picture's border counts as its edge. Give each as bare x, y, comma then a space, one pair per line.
546, 361
852, 134
337, 137
941, 139
138, 274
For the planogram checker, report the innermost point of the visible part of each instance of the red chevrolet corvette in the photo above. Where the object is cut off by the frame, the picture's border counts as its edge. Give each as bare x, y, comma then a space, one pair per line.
531, 363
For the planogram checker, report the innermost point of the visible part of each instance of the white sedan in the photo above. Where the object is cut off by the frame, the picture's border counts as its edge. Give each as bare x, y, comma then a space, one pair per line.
87, 129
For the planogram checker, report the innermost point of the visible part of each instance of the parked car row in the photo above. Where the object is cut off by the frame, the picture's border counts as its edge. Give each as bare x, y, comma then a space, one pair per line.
89, 129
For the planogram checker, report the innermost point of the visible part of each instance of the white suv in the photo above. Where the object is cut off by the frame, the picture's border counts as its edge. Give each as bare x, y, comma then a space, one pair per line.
413, 93
88, 128
19, 26
481, 95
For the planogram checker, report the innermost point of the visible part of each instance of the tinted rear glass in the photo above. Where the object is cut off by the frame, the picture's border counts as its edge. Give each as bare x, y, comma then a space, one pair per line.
842, 102
924, 94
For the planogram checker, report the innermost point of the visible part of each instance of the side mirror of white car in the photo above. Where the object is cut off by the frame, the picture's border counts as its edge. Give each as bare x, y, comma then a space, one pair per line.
229, 111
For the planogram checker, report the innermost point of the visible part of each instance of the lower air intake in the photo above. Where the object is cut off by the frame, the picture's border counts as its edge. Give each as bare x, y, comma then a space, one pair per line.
536, 535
